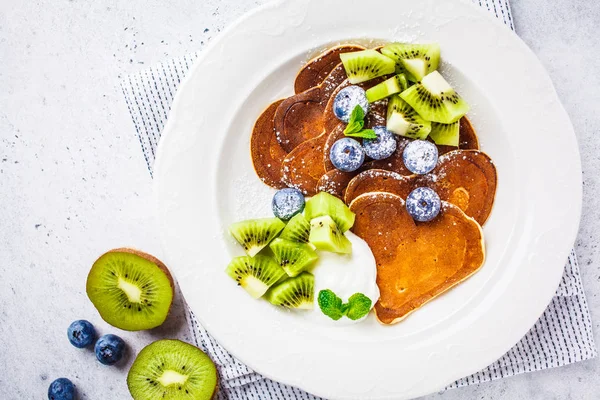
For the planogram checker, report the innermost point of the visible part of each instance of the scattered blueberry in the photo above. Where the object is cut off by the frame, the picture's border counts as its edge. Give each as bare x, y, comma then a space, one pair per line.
347, 155
81, 333
61, 389
423, 204
420, 156
347, 99
381, 147
109, 349
287, 203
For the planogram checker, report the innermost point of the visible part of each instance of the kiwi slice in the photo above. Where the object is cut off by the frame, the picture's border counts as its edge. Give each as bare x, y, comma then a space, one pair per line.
324, 203
255, 234
297, 292
255, 274
404, 121
445, 134
417, 59
130, 289
364, 65
402, 81
325, 235
383, 89
435, 100
172, 370
293, 257
297, 229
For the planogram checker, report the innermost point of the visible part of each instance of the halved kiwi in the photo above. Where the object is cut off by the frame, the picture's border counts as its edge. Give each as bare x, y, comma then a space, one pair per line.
130, 289
325, 235
255, 234
255, 274
172, 370
383, 89
297, 229
293, 257
404, 121
295, 292
324, 203
435, 100
445, 134
364, 65
417, 59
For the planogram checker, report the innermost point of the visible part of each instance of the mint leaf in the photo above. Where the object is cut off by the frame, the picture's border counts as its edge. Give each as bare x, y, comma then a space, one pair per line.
354, 127
358, 114
365, 134
359, 305
330, 304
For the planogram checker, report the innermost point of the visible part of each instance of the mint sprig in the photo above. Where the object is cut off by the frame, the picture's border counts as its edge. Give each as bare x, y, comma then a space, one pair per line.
331, 305
356, 124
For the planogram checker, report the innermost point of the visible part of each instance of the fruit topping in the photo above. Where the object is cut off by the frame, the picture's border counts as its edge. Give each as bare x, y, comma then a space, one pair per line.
131, 290
325, 235
172, 370
364, 65
61, 389
297, 229
435, 100
81, 333
293, 257
445, 134
417, 59
420, 156
383, 146
423, 204
347, 155
325, 204
347, 99
255, 274
297, 292
109, 349
256, 234
403, 120
287, 203
384, 89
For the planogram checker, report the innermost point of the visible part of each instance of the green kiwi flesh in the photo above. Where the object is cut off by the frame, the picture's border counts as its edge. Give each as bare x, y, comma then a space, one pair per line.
445, 134
293, 257
255, 274
297, 229
297, 292
435, 100
384, 89
172, 370
325, 235
417, 59
364, 65
324, 203
403, 120
255, 234
131, 290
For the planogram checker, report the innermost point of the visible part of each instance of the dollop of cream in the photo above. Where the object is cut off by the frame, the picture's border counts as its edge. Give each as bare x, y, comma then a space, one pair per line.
345, 274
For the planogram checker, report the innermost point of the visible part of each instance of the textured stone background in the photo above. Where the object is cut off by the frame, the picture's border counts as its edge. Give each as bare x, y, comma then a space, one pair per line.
73, 181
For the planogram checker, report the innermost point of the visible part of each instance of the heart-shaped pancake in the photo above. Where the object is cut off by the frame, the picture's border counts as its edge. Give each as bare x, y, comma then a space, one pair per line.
316, 70
466, 178
416, 261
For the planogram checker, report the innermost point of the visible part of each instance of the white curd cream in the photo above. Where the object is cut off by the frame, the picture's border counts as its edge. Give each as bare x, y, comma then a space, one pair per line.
344, 274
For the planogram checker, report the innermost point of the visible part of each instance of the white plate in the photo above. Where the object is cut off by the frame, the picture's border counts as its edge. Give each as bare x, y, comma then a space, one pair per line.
205, 180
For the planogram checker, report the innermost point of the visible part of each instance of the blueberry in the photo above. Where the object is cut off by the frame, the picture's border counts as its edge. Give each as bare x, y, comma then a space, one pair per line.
61, 389
287, 203
420, 156
381, 147
81, 333
109, 349
423, 204
347, 155
347, 99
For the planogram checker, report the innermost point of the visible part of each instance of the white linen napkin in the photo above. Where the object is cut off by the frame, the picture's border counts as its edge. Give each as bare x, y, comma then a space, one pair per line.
563, 334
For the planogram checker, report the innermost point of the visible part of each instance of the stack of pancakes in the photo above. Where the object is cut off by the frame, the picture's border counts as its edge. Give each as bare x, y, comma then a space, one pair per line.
416, 261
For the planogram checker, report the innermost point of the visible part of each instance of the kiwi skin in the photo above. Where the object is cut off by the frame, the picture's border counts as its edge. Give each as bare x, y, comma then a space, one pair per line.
150, 258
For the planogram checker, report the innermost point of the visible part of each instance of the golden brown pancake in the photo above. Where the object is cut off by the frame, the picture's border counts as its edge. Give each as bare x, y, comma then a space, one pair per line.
416, 261
267, 155
466, 178
316, 70
300, 117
